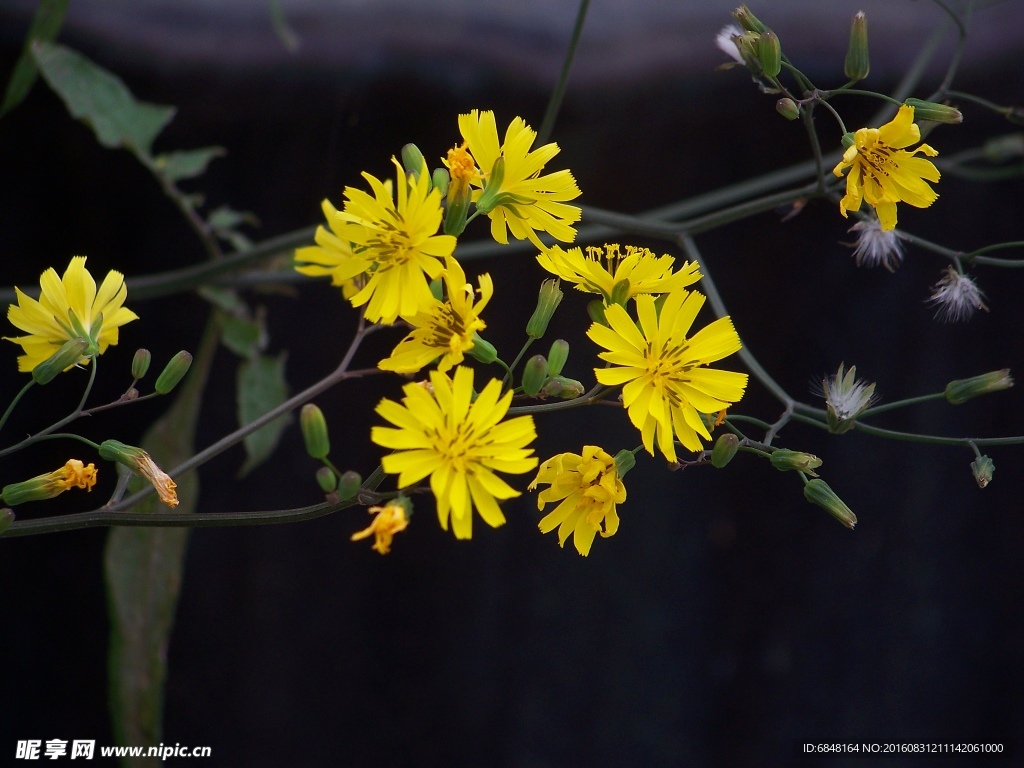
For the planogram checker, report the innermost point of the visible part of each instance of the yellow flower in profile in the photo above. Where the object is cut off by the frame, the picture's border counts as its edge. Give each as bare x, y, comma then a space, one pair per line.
459, 443
445, 329
394, 242
884, 173
588, 488
69, 308
74, 474
667, 386
390, 519
616, 276
515, 196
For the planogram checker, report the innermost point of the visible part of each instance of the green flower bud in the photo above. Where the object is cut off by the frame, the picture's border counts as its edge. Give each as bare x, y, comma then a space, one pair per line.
748, 21
983, 468
625, 460
769, 53
937, 113
314, 431
327, 480
788, 108
548, 299
140, 363
440, 179
725, 448
437, 288
413, 160
349, 485
458, 200
490, 199
483, 350
961, 390
6, 518
596, 311
784, 459
817, 492
65, 357
857, 65
557, 356
535, 372
173, 372
562, 388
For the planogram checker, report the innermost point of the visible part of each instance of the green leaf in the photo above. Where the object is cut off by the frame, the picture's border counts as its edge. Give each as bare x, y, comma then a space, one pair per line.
224, 222
45, 26
187, 163
101, 100
143, 569
261, 387
243, 336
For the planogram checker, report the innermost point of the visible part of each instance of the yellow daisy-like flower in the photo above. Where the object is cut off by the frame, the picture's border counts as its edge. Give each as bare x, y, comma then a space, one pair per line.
884, 173
74, 474
589, 487
390, 519
460, 444
667, 387
446, 328
69, 308
395, 243
515, 196
616, 276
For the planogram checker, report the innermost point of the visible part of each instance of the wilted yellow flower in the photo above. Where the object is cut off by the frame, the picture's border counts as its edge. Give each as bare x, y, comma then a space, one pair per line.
618, 276
667, 386
459, 443
444, 329
588, 488
69, 308
884, 173
74, 474
390, 519
515, 196
140, 462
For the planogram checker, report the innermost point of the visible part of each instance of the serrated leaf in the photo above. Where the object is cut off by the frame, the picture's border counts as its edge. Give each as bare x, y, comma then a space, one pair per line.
143, 569
261, 387
45, 26
186, 163
101, 100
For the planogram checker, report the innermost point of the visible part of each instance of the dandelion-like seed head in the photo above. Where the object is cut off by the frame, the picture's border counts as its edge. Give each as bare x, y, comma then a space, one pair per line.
724, 40
875, 246
956, 297
846, 398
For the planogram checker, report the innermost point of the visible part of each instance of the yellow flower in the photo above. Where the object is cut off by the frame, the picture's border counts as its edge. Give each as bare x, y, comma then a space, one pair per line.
74, 474
460, 444
461, 168
884, 173
667, 386
618, 277
69, 308
395, 243
390, 519
445, 329
589, 487
515, 196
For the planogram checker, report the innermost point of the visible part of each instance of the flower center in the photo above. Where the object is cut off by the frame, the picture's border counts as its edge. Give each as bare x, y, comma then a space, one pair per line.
391, 242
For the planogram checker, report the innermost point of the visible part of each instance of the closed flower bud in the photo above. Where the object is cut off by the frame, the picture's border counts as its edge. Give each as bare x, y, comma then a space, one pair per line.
173, 372
725, 448
65, 357
748, 21
769, 53
625, 460
483, 350
140, 363
558, 356
983, 468
326, 479
787, 108
562, 388
784, 459
961, 390
314, 431
857, 66
457, 209
413, 160
818, 492
549, 298
6, 518
535, 372
937, 113
596, 311
439, 180
490, 198
349, 485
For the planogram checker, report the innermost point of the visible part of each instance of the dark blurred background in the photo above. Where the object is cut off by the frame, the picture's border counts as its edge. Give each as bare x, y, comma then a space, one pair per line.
728, 620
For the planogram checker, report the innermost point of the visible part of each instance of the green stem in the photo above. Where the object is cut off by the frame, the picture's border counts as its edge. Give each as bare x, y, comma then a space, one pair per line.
591, 397
508, 376
830, 108
14, 402
555, 102
885, 407
961, 26
70, 436
979, 101
858, 92
914, 437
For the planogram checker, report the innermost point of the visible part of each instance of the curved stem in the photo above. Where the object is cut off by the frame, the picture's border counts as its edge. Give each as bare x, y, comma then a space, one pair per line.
14, 402
555, 102
70, 436
885, 407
